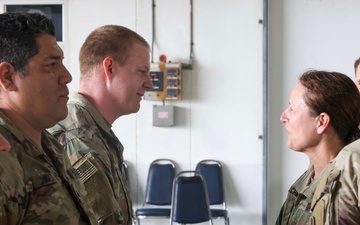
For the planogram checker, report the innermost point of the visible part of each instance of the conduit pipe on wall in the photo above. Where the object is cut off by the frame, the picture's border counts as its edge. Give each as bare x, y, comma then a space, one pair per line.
185, 66
265, 112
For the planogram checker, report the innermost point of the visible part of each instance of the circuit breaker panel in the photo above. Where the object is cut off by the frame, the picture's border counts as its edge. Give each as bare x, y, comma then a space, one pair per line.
166, 78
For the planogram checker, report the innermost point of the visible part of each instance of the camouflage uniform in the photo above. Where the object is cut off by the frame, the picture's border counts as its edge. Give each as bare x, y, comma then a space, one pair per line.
93, 148
36, 186
340, 194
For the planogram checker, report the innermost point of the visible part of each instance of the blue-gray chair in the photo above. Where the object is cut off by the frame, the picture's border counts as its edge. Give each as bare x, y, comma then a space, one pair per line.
158, 192
190, 203
212, 171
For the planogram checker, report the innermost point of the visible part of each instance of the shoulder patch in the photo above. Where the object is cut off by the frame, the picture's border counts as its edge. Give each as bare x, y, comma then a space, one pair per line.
85, 168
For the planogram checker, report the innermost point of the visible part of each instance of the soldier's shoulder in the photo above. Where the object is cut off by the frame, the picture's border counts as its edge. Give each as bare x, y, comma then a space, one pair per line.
352, 149
349, 158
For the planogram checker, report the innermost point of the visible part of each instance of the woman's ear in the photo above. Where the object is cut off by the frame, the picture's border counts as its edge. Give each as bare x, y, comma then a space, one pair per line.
323, 121
7, 73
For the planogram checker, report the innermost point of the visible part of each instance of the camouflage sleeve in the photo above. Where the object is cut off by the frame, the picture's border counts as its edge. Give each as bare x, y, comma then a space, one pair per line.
348, 162
280, 216
92, 169
10, 201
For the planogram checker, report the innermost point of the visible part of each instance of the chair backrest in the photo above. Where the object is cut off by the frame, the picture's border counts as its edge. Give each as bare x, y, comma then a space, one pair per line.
213, 174
190, 203
159, 182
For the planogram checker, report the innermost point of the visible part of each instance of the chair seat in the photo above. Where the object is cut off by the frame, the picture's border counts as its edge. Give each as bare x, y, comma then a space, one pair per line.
153, 212
219, 213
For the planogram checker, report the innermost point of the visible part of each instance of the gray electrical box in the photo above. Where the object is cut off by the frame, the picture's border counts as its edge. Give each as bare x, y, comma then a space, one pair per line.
163, 115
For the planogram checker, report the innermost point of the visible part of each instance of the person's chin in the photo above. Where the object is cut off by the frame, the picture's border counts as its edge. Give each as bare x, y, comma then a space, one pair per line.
62, 113
136, 108
289, 145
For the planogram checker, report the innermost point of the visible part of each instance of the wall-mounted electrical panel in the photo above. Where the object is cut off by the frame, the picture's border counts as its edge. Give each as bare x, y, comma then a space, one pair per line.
166, 78
163, 115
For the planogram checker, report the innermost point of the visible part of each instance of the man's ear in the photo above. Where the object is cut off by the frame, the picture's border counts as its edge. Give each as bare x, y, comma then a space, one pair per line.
108, 67
323, 121
7, 74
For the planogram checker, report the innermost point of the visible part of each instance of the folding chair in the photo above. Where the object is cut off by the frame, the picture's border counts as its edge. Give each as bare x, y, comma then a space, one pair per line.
213, 174
158, 193
190, 203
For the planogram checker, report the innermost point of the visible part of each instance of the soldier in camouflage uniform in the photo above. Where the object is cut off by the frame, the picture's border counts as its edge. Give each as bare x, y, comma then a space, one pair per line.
37, 183
114, 66
321, 120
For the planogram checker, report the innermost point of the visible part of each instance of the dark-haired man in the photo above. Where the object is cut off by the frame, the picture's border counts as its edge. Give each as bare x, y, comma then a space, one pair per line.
37, 183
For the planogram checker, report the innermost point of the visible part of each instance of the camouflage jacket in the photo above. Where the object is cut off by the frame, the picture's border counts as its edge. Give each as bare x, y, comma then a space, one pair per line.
36, 184
94, 149
339, 198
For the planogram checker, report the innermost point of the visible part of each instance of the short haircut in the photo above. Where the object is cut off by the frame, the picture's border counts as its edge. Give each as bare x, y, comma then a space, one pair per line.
18, 33
107, 41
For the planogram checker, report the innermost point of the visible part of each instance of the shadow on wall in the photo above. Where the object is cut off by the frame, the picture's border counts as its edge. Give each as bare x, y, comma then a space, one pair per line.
230, 189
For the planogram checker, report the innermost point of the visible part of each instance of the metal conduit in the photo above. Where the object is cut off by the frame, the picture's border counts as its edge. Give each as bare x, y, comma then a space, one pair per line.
265, 112
185, 66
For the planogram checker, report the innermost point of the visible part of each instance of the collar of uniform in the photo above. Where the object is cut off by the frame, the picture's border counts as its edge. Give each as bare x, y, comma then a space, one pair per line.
95, 114
305, 186
302, 184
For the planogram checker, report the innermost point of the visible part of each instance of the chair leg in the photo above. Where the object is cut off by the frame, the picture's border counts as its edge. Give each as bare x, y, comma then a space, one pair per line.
227, 221
137, 221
